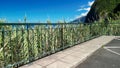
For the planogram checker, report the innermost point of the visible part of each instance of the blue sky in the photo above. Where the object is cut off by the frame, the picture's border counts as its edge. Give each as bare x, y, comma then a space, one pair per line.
42, 10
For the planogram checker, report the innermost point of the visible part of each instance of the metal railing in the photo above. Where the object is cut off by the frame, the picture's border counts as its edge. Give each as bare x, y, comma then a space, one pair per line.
22, 43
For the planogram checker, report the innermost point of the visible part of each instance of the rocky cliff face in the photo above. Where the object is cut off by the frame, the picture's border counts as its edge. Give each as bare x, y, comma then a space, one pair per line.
102, 9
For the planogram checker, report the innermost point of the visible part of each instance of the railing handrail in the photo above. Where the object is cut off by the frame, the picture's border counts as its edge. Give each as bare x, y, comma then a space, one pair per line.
38, 23
49, 23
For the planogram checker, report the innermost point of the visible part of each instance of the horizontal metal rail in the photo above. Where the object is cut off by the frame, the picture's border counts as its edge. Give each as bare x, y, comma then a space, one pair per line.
49, 23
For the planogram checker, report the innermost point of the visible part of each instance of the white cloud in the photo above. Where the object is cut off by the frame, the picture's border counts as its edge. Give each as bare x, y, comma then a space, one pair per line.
81, 9
78, 16
81, 15
90, 3
84, 14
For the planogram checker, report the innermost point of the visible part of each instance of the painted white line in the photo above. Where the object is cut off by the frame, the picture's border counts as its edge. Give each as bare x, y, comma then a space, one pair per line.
117, 38
112, 47
112, 51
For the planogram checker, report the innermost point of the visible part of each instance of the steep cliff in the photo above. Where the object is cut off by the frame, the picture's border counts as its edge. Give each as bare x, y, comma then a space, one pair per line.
103, 9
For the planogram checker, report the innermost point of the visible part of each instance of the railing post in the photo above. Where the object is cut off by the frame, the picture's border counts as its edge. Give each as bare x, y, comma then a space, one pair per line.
38, 40
11, 48
72, 36
90, 31
61, 31
17, 46
4, 60
28, 43
22, 30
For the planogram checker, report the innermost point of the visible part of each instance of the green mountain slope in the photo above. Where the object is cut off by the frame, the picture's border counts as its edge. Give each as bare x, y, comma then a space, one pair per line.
103, 9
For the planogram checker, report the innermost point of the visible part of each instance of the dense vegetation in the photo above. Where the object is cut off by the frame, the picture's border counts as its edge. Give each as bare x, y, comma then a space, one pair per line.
21, 44
104, 9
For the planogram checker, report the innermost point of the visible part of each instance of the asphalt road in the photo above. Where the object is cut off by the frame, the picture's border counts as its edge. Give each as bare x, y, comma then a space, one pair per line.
106, 57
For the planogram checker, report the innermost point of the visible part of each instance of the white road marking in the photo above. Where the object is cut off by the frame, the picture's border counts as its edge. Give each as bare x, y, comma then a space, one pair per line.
117, 38
112, 47
112, 51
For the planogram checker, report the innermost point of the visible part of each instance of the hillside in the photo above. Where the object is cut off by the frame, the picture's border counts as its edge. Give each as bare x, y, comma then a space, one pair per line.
103, 9
79, 20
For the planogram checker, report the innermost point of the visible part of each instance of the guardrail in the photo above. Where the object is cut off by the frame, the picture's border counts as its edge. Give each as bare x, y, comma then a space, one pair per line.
22, 43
